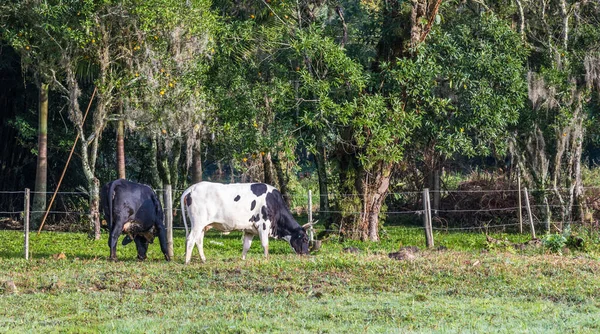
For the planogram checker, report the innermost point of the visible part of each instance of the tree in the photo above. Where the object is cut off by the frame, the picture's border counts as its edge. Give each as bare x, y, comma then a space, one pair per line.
563, 72
469, 91
167, 92
23, 29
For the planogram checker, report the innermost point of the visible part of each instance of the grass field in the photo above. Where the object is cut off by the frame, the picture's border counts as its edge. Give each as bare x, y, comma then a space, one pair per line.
463, 288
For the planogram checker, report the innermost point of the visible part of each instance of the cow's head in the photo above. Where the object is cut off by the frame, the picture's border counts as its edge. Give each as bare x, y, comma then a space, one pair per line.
299, 241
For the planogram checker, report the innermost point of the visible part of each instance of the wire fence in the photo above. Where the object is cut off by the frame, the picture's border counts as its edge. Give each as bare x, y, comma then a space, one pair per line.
507, 210
457, 210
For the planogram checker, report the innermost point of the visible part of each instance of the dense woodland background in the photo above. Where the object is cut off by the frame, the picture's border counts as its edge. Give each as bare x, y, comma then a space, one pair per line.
354, 99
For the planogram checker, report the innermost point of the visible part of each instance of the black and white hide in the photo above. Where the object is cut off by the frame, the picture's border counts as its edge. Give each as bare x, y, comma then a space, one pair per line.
254, 208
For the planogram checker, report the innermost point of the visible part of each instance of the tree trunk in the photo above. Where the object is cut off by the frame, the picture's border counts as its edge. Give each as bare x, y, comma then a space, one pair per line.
282, 178
268, 169
163, 166
154, 158
197, 160
419, 11
174, 168
349, 206
121, 148
41, 176
375, 190
168, 163
88, 158
321, 160
94, 187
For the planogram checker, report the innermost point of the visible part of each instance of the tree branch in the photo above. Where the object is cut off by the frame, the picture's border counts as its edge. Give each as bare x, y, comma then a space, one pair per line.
338, 10
430, 20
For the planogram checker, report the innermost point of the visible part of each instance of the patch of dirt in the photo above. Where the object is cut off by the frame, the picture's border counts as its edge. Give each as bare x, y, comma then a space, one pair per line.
352, 250
405, 253
10, 224
533, 243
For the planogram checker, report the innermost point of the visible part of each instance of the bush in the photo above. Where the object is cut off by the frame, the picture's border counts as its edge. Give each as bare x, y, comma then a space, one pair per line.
554, 242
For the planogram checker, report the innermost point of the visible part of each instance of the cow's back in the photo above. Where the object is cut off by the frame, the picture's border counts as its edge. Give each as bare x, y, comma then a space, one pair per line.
230, 206
135, 200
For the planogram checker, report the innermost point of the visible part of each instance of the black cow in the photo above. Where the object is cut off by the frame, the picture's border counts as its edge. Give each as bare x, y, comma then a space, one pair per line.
133, 208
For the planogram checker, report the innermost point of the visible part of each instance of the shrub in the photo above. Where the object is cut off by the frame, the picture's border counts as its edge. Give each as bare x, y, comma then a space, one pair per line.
554, 242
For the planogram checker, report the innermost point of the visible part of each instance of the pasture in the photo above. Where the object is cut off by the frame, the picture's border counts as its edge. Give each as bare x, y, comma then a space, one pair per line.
69, 286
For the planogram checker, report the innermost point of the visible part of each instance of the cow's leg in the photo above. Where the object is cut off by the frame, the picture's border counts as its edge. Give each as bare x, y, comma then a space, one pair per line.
142, 247
196, 237
246, 244
200, 244
263, 234
191, 240
113, 237
162, 238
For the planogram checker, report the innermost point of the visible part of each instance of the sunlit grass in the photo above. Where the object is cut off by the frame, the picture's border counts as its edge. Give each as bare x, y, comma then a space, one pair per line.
463, 288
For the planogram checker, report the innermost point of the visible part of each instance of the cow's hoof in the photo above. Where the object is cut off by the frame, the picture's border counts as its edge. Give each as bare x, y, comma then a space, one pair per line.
112, 259
141, 258
168, 258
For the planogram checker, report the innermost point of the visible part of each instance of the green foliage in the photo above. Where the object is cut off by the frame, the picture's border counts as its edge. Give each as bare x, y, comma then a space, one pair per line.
554, 242
298, 190
470, 86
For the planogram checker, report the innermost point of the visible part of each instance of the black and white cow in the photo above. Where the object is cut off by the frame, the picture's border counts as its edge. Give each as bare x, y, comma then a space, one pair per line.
254, 208
133, 208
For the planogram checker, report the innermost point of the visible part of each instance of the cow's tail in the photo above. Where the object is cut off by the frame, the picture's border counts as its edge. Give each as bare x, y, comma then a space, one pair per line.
183, 196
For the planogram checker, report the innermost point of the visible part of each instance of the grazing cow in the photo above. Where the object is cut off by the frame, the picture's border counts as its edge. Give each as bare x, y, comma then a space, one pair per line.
133, 208
254, 208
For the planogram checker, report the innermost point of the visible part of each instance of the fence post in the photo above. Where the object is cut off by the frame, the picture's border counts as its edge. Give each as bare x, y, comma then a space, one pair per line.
26, 223
529, 213
310, 217
168, 199
520, 206
427, 219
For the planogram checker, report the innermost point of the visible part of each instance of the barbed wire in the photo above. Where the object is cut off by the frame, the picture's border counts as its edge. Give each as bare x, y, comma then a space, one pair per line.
44, 211
176, 209
369, 212
472, 227
60, 192
478, 210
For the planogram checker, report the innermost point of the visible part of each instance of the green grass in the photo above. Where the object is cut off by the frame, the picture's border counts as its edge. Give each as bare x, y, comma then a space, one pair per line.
461, 289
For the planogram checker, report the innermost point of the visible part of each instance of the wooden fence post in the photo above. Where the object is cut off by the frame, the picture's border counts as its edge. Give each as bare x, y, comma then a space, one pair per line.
26, 223
529, 213
310, 217
427, 219
520, 206
168, 199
